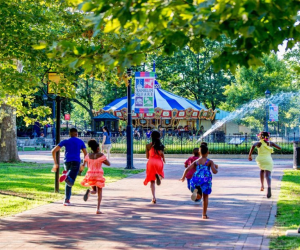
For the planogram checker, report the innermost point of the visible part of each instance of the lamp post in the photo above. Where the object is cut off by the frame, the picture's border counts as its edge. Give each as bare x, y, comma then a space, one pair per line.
45, 98
129, 164
54, 77
267, 94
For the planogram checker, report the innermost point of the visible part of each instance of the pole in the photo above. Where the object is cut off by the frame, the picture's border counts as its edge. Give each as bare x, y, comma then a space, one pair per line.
129, 164
45, 128
53, 129
266, 122
58, 110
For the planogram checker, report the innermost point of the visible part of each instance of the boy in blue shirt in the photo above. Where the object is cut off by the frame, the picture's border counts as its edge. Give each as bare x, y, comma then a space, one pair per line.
73, 146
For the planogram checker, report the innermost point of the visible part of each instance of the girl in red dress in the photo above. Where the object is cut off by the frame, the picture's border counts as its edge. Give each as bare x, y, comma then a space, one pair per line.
94, 176
155, 165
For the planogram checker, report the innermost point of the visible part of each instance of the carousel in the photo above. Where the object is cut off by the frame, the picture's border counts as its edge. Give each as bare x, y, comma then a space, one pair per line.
170, 111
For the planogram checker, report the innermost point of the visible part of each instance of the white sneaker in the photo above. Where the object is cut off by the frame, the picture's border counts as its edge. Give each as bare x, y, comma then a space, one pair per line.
194, 194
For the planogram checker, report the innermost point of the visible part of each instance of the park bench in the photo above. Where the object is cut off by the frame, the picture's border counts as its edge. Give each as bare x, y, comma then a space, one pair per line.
30, 143
237, 141
49, 143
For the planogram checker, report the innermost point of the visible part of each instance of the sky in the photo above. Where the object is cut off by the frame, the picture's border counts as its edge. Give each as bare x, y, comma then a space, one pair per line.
281, 49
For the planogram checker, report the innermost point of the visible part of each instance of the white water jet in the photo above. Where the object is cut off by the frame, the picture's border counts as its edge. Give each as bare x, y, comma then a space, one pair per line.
248, 108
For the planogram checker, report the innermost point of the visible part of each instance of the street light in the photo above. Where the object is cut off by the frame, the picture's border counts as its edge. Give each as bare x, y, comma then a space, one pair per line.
45, 98
129, 164
267, 94
55, 77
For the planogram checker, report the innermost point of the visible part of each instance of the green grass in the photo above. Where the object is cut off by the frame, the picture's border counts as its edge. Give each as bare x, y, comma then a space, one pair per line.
288, 213
27, 185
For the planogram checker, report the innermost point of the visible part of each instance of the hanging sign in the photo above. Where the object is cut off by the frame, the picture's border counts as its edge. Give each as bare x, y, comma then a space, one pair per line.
144, 92
273, 113
67, 117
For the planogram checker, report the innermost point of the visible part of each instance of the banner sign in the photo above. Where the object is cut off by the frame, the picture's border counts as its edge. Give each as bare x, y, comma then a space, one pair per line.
144, 92
67, 117
273, 113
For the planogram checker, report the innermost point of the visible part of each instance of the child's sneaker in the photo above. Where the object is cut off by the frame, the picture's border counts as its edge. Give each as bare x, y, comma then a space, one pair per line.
63, 176
158, 179
67, 203
86, 196
194, 194
269, 194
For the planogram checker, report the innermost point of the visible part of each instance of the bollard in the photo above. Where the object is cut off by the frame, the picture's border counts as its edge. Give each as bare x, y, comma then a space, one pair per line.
296, 156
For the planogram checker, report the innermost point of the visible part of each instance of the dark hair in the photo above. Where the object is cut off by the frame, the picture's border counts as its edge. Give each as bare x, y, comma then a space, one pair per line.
196, 151
72, 130
156, 143
204, 143
265, 136
93, 144
203, 149
104, 127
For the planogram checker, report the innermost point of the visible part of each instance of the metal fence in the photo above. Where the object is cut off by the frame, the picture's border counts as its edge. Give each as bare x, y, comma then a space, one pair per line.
217, 144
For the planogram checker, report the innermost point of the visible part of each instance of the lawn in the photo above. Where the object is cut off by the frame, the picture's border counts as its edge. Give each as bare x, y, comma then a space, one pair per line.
27, 185
288, 213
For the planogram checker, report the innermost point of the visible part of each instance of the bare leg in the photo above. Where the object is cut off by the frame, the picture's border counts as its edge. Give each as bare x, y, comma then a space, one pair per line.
152, 186
268, 178
99, 200
94, 190
205, 205
262, 173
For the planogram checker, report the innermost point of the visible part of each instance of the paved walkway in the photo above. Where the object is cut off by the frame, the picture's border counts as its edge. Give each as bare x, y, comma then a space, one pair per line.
240, 215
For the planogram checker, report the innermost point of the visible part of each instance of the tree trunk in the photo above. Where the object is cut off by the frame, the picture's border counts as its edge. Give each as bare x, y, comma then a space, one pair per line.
8, 140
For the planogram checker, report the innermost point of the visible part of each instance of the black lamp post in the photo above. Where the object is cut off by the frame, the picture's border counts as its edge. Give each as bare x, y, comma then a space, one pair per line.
45, 98
267, 94
129, 164
55, 77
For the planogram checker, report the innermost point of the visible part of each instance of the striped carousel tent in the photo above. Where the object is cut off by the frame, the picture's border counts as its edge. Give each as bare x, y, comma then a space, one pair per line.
162, 99
170, 111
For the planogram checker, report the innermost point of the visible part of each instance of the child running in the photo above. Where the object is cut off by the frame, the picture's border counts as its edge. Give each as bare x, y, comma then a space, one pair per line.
155, 165
189, 161
94, 176
201, 181
264, 159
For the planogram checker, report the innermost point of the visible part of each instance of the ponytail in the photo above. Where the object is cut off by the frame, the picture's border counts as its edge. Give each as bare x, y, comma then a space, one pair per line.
156, 143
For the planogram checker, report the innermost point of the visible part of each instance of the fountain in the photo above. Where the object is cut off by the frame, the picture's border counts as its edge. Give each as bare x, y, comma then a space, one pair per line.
249, 107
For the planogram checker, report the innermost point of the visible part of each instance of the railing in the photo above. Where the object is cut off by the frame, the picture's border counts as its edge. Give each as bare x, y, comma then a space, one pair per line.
184, 144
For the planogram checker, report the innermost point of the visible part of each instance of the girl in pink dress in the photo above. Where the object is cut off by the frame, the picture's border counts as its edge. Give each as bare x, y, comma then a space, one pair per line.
155, 164
94, 176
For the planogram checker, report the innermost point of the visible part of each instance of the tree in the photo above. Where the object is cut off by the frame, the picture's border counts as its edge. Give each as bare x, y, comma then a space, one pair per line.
255, 27
252, 83
93, 94
24, 24
192, 75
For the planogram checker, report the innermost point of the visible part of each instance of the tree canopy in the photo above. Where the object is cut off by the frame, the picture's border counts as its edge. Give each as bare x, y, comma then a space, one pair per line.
254, 27
191, 74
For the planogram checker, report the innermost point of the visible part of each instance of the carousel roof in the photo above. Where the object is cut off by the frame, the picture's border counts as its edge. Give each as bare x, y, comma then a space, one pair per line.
162, 99
106, 116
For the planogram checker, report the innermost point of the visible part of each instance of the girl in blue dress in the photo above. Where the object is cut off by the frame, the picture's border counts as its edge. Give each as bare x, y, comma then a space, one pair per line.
201, 181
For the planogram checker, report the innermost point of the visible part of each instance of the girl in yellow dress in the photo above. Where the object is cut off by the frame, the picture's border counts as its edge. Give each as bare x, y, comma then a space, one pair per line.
264, 159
